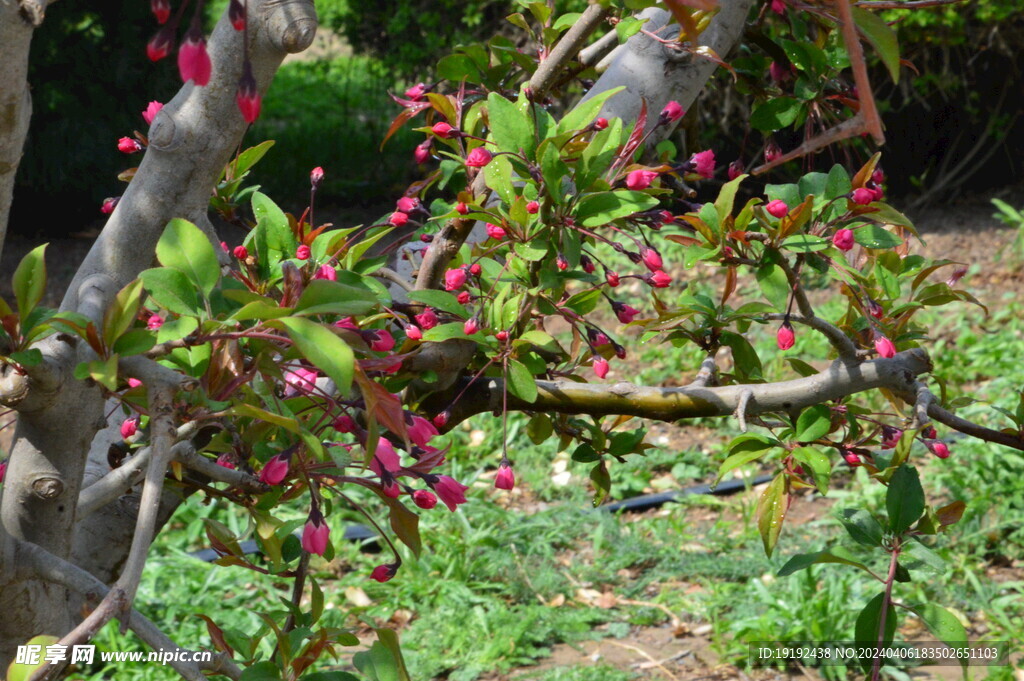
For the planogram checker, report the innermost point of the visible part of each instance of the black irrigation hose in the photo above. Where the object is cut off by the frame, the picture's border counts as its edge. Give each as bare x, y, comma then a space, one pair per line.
635, 504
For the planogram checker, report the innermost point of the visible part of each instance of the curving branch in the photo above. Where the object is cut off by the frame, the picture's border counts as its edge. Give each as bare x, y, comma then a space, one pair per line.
848, 352
567, 48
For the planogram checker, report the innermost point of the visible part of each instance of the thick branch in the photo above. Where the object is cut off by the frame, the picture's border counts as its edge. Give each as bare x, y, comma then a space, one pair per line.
672, 404
15, 101
566, 49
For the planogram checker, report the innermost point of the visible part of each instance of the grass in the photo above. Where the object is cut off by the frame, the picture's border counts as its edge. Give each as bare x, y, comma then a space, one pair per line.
497, 587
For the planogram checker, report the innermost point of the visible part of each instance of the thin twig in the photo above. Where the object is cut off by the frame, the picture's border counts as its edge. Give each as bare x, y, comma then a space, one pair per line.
593, 53
566, 49
707, 374
394, 277
741, 409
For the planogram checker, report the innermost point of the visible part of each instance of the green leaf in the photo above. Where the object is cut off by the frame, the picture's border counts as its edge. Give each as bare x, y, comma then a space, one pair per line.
838, 182
405, 524
533, 250
103, 371
184, 247
176, 329
771, 511
748, 364
444, 332
601, 208
805, 560
520, 382
325, 349
440, 300
602, 482
383, 661
171, 290
539, 428
261, 671
248, 158
805, 243
279, 420
510, 128
813, 423
272, 238
904, 500
331, 297
498, 176
945, 626
23, 672
261, 310
584, 302
776, 113
122, 311
862, 527
917, 556
821, 467
584, 113
743, 450
873, 236
882, 37
869, 624
726, 198
134, 342
29, 281
774, 285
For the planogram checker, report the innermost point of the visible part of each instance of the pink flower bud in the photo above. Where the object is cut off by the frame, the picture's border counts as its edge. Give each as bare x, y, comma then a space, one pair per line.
275, 470
302, 252
600, 124
346, 323
326, 272
154, 322
461, 208
955, 278
673, 111
891, 436
451, 491
651, 258
495, 232
422, 431
159, 46
777, 208
885, 347
506, 478
612, 278
316, 176
444, 131
658, 279
413, 333
224, 247
785, 337
3, 470
236, 15
938, 448
385, 458
601, 367
778, 72
624, 312
471, 326
779, 7
392, 490
852, 459
407, 204
929, 433
161, 10
240, 252
379, 340
475, 269
128, 145
454, 279
134, 383
422, 152
561, 263
735, 170
441, 420
129, 427
501, 336
299, 381
878, 177
398, 219
532, 207
151, 111
874, 309
587, 264
424, 499
463, 297
640, 179
225, 460
772, 151
193, 59
862, 196
416, 92
109, 204
704, 162
316, 534
247, 96
426, 319
478, 158
344, 424
384, 573
843, 239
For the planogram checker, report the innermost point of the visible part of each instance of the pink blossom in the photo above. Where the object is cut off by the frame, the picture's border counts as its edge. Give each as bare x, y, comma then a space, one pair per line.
778, 72
316, 176
416, 92
236, 15
587, 264
413, 332
704, 162
878, 177
424, 499
454, 278
772, 151
658, 279
315, 534
938, 448
624, 312
379, 340
129, 427
475, 269
398, 219
532, 207
451, 491
501, 336
852, 458
651, 258
673, 111
777, 208
384, 573
154, 322
346, 323
601, 367
275, 470
779, 7
444, 130
876, 192
441, 419
225, 460
471, 326
929, 433
344, 424
601, 338
463, 297
159, 46
426, 319
134, 383
478, 158
193, 59
407, 204
891, 436
303, 252
785, 337
326, 272
299, 381
735, 170
561, 263
109, 204
247, 96
640, 179
385, 458
128, 145
506, 478
495, 232
862, 196
3, 470
885, 347
161, 10
421, 431
240, 252
612, 278
874, 309
422, 152
461, 208
151, 111
600, 124
843, 239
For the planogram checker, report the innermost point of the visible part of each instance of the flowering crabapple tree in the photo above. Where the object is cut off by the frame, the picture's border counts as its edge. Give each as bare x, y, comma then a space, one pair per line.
311, 365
